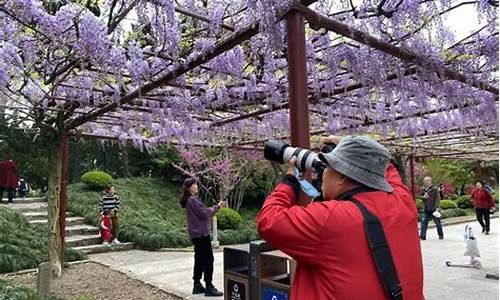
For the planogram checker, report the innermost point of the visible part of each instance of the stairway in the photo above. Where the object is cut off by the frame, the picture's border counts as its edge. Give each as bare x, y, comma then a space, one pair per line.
80, 236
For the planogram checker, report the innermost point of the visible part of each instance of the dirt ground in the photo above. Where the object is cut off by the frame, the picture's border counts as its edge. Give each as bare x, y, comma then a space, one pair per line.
95, 281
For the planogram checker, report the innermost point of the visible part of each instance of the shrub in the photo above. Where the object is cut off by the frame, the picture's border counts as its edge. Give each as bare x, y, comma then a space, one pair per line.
97, 180
448, 204
23, 246
228, 218
13, 291
420, 203
454, 212
464, 202
495, 196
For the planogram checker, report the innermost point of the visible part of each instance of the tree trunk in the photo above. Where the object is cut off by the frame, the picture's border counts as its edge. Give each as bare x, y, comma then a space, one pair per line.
126, 170
54, 169
76, 169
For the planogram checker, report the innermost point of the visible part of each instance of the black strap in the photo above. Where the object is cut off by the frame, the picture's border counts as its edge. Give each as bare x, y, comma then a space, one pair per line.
379, 247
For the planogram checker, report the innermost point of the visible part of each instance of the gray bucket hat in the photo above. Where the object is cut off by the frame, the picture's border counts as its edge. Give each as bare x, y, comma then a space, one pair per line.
362, 159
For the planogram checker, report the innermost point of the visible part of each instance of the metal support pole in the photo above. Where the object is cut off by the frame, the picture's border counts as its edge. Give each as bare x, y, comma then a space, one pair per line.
297, 78
63, 194
412, 175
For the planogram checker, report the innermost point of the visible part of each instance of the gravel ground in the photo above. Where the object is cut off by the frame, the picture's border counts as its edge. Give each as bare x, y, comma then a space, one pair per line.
97, 282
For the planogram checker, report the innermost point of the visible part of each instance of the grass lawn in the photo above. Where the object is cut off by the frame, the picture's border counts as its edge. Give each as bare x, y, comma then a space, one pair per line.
23, 246
150, 214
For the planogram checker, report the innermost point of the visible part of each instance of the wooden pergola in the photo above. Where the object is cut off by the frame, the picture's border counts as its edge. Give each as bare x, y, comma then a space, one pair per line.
468, 143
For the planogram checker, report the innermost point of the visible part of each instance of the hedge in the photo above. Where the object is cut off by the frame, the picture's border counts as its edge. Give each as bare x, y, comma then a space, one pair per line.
97, 180
448, 204
228, 218
464, 202
454, 212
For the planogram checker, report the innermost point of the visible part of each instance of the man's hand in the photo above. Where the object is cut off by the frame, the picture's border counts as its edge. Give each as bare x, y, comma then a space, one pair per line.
291, 166
331, 139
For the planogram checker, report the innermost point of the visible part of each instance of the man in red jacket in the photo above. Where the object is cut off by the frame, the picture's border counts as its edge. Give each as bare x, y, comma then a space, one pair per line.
8, 178
484, 205
328, 239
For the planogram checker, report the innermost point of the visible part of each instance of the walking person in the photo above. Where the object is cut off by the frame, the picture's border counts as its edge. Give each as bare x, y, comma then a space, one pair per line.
432, 201
110, 203
484, 205
23, 188
8, 178
198, 221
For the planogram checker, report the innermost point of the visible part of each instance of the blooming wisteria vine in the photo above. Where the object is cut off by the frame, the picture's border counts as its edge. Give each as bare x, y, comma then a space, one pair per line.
62, 62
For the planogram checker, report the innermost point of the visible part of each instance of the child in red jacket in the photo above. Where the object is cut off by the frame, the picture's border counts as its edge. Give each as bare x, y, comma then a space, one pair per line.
105, 228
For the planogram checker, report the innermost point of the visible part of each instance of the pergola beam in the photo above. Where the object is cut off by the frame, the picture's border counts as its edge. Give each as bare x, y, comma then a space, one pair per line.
179, 70
318, 21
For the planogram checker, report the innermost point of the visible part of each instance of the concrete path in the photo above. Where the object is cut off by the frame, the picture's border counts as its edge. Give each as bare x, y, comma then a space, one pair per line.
172, 271
169, 271
443, 282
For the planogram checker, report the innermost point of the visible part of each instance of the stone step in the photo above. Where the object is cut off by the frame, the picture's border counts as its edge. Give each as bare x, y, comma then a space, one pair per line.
100, 248
82, 240
81, 230
30, 207
41, 215
70, 221
30, 200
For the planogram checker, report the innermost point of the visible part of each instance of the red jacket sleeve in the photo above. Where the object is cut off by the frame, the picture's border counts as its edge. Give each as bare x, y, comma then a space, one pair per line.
293, 229
393, 178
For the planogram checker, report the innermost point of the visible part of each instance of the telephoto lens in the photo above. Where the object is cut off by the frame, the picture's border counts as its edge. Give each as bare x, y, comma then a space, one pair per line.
281, 152
307, 160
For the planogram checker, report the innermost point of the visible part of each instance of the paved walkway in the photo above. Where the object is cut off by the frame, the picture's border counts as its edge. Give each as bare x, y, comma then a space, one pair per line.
443, 282
172, 271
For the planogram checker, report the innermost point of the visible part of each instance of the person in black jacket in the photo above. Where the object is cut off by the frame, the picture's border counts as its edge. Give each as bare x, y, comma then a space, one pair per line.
432, 201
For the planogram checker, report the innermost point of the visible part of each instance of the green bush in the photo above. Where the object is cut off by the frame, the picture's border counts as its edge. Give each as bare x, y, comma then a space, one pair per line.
97, 180
495, 195
464, 202
228, 218
448, 204
12, 291
420, 203
23, 246
454, 212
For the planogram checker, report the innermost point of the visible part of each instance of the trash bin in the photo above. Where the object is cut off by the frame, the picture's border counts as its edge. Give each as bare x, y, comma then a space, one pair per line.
276, 270
256, 248
236, 272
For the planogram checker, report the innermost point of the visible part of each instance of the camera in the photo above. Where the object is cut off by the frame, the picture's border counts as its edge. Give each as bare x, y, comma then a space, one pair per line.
307, 160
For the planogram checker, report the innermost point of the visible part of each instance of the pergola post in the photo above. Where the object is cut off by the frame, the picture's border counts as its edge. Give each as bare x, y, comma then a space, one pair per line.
63, 195
412, 175
297, 80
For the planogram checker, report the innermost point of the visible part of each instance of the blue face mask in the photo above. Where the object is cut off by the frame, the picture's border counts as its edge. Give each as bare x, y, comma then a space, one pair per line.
306, 186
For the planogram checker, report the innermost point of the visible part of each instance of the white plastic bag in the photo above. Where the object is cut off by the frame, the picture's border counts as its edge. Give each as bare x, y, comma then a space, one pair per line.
470, 243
